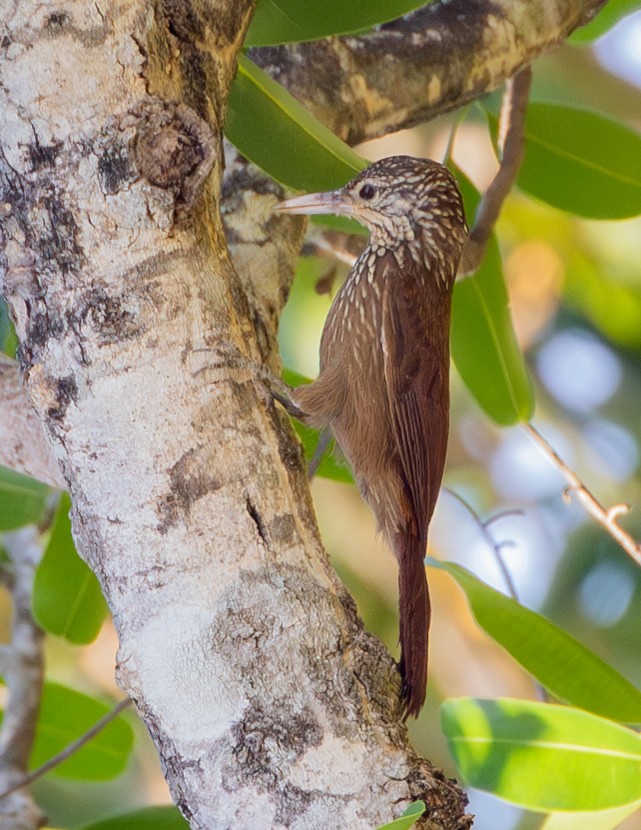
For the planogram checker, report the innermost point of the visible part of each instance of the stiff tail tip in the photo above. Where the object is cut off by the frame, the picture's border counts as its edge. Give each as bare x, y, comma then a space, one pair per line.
414, 604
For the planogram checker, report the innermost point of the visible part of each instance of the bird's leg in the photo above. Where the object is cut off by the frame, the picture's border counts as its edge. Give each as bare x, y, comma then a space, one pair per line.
324, 440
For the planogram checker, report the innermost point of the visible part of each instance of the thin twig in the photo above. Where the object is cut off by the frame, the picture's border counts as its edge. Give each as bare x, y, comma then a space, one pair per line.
607, 517
494, 546
69, 750
512, 143
316, 237
505, 571
451, 139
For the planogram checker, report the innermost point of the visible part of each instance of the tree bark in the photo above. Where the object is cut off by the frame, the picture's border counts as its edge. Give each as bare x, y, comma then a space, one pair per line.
270, 706
437, 59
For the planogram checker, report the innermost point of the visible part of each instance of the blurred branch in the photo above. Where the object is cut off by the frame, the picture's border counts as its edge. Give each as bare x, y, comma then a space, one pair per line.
329, 242
23, 671
607, 517
69, 750
494, 546
512, 143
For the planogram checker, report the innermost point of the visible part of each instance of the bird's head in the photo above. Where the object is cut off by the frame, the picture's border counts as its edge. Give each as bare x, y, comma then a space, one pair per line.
400, 200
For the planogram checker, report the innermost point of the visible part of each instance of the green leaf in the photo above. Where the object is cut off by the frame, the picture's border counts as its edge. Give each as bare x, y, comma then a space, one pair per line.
567, 669
64, 716
408, 819
340, 223
581, 162
330, 466
151, 818
601, 820
287, 21
67, 599
22, 499
483, 342
610, 14
269, 127
543, 757
8, 337
597, 290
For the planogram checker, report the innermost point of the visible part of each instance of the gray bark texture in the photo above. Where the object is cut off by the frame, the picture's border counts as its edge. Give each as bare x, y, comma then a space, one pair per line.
140, 316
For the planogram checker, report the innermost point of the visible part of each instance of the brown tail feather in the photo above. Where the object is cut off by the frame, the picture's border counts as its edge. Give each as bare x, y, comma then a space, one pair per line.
414, 609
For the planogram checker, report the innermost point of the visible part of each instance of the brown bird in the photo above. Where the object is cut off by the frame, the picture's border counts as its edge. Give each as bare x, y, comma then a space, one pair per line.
383, 385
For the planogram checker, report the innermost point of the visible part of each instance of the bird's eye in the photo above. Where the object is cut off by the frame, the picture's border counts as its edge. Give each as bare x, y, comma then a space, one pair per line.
367, 191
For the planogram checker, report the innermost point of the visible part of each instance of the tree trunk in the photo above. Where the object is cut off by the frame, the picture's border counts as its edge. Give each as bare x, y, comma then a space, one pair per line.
268, 703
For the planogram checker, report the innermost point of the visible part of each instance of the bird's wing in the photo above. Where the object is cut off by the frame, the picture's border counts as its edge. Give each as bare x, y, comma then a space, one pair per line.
415, 342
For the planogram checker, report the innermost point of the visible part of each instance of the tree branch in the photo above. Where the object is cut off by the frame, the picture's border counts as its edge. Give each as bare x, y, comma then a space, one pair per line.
606, 517
68, 751
457, 51
23, 671
512, 143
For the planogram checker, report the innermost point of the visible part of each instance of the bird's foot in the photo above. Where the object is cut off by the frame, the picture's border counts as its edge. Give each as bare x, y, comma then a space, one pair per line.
281, 392
226, 357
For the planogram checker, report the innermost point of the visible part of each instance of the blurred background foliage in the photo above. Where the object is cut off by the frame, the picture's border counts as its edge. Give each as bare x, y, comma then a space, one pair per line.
575, 297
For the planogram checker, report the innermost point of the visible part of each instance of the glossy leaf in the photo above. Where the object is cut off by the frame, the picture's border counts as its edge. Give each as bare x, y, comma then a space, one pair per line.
287, 21
65, 715
601, 820
610, 14
567, 669
483, 342
543, 757
273, 130
67, 599
570, 161
151, 818
22, 500
340, 223
408, 819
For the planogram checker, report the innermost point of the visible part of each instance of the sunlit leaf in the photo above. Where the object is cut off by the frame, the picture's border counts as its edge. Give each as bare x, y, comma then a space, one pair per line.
610, 14
151, 818
601, 820
580, 161
22, 499
65, 715
286, 21
567, 669
408, 819
273, 130
541, 756
483, 342
67, 599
